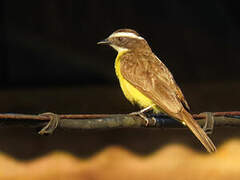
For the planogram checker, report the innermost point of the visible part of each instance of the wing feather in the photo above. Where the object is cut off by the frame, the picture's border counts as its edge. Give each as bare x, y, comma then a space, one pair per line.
152, 78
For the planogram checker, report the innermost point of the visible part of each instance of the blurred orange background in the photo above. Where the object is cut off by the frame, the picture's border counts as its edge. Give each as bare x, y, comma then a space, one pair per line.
171, 162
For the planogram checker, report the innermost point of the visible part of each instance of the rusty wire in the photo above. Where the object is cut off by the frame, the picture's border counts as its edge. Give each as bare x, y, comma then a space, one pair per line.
106, 121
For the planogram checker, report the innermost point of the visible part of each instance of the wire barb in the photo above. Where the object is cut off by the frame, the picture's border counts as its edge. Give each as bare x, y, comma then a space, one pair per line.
51, 125
209, 122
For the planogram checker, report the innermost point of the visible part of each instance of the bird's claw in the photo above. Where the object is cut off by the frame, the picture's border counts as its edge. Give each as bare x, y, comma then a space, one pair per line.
142, 115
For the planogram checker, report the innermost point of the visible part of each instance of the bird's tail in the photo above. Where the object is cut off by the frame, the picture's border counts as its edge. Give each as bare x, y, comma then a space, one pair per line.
187, 118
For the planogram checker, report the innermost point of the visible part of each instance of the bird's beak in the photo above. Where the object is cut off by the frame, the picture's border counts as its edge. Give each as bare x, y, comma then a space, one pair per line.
105, 41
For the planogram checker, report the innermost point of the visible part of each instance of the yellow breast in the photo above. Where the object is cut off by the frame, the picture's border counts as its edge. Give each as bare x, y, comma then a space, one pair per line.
130, 92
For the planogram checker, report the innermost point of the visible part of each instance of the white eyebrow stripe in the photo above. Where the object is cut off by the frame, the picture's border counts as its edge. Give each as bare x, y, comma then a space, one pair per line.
125, 34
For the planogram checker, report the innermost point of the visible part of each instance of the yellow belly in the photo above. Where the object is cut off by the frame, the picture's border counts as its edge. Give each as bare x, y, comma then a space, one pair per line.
130, 92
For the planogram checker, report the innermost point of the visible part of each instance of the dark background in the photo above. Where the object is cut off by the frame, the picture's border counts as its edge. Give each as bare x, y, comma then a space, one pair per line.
50, 61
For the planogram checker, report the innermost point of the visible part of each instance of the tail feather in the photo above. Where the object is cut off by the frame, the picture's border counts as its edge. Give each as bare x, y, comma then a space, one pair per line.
198, 131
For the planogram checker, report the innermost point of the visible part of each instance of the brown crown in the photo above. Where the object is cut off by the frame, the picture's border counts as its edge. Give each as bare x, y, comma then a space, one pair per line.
127, 30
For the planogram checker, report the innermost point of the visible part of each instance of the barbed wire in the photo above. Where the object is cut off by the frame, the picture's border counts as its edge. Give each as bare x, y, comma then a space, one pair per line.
207, 120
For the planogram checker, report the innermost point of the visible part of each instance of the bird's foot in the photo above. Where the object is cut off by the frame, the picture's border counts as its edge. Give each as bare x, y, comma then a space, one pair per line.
142, 115
52, 124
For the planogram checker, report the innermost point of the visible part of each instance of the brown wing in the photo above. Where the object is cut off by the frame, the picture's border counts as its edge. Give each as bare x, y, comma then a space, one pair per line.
151, 77
182, 98
177, 89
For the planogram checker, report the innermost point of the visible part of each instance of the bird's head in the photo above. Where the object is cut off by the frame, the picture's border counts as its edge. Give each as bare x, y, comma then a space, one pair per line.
125, 40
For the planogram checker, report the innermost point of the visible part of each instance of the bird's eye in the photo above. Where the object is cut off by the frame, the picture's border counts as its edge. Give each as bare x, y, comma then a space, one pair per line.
120, 38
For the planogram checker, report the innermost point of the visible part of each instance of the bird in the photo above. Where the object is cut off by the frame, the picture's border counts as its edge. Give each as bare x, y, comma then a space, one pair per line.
146, 81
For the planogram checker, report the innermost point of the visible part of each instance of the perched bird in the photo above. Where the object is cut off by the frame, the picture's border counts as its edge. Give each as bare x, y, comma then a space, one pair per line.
146, 81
